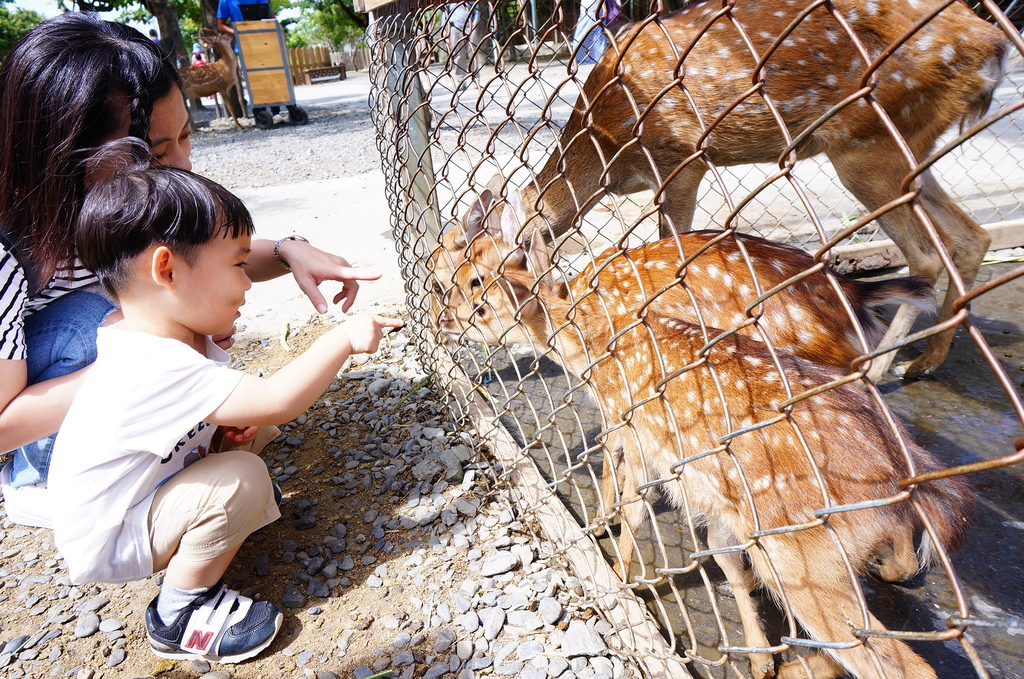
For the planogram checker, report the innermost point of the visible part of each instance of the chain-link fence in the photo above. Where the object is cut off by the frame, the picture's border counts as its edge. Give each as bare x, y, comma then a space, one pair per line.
705, 423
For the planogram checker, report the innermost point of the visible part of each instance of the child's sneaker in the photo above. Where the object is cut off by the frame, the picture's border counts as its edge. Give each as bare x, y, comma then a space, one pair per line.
220, 626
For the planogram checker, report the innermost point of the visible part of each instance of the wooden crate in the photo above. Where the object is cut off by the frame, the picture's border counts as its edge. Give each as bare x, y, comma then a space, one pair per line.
265, 61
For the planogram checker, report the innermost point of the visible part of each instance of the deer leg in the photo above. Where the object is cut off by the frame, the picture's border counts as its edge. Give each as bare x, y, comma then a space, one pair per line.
678, 200
632, 515
741, 580
873, 175
813, 581
967, 243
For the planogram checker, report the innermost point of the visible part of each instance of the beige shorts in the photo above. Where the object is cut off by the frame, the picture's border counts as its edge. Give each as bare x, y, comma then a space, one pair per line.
210, 507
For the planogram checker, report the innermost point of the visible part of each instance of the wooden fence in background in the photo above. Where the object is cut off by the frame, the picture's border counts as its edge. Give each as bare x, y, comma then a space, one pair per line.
320, 56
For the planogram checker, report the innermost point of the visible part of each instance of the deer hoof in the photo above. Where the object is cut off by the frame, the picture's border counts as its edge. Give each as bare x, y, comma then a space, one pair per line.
914, 369
762, 666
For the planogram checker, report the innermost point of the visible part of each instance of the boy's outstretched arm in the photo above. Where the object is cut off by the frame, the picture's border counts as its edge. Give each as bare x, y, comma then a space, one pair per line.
294, 388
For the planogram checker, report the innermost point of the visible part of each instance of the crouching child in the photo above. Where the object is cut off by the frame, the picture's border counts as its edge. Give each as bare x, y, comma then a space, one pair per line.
137, 483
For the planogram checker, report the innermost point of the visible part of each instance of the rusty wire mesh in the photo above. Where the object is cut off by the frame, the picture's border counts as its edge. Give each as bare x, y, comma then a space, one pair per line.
666, 371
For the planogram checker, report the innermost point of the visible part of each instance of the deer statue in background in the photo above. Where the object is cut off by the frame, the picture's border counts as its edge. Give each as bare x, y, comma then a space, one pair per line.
718, 84
219, 77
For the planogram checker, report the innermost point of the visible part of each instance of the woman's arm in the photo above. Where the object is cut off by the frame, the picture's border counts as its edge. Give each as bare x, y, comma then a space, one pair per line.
310, 266
13, 378
294, 388
37, 411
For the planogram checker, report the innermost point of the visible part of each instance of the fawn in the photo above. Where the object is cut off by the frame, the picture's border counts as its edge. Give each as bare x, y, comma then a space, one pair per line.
220, 77
716, 84
711, 278
716, 423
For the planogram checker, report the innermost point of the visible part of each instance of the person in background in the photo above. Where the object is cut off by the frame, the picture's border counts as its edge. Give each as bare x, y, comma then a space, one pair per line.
232, 11
465, 35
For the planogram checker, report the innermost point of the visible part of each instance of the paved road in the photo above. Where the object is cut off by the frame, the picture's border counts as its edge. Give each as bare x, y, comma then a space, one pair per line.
348, 216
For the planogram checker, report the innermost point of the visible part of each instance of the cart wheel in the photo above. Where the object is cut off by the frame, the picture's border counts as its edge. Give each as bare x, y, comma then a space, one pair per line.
297, 116
264, 120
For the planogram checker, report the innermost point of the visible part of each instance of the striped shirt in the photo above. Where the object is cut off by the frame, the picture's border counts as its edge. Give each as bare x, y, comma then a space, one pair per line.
15, 303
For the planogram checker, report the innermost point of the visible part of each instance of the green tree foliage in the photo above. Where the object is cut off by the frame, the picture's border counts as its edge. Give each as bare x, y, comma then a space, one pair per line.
332, 21
14, 23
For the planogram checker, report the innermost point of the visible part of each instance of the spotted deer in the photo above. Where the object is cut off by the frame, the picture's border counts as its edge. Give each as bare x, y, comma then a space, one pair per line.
219, 77
737, 452
678, 94
712, 278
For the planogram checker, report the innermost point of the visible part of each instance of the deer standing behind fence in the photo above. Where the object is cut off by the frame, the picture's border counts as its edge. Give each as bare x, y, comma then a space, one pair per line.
710, 278
678, 94
737, 452
220, 77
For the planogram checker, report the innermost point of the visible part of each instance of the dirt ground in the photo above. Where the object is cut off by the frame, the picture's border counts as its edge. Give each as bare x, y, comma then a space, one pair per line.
360, 615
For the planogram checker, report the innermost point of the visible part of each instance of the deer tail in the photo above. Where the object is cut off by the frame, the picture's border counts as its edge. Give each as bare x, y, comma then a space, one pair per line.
870, 297
991, 73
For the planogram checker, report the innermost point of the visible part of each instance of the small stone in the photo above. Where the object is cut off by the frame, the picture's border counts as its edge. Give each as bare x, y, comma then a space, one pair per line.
116, 657
436, 670
525, 619
306, 522
549, 610
468, 621
531, 672
93, 605
529, 649
15, 644
88, 625
557, 665
292, 597
499, 563
200, 666
378, 387
582, 640
492, 620
111, 625
403, 658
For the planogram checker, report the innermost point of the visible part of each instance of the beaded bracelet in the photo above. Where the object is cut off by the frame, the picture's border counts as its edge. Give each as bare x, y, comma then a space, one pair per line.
277, 250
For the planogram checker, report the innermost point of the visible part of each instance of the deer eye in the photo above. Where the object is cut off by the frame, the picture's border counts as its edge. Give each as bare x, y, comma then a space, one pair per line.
475, 283
480, 311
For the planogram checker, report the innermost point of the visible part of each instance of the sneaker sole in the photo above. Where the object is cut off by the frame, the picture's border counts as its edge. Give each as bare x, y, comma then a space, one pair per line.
170, 653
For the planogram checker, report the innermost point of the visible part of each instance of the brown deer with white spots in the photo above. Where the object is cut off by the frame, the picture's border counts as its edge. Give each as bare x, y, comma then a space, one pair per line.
220, 77
756, 459
710, 278
677, 94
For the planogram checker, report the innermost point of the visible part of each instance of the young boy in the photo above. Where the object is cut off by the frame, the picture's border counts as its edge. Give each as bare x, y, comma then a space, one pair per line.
136, 481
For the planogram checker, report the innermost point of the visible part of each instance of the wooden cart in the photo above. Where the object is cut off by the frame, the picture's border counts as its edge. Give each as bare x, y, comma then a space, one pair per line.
264, 62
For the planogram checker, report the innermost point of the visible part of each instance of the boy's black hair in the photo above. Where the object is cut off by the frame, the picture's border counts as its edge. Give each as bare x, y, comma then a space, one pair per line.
137, 205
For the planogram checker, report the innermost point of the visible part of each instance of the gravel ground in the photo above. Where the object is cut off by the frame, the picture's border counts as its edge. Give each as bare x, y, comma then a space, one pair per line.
397, 554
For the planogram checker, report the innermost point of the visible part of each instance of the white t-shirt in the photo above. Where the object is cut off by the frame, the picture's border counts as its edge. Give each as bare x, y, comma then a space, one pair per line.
136, 421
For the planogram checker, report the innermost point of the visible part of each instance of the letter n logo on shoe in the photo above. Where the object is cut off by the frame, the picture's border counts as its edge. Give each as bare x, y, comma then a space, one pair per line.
199, 640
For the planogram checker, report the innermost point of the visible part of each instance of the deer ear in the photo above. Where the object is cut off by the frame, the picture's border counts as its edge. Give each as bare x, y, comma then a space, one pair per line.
495, 183
522, 296
475, 218
513, 217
